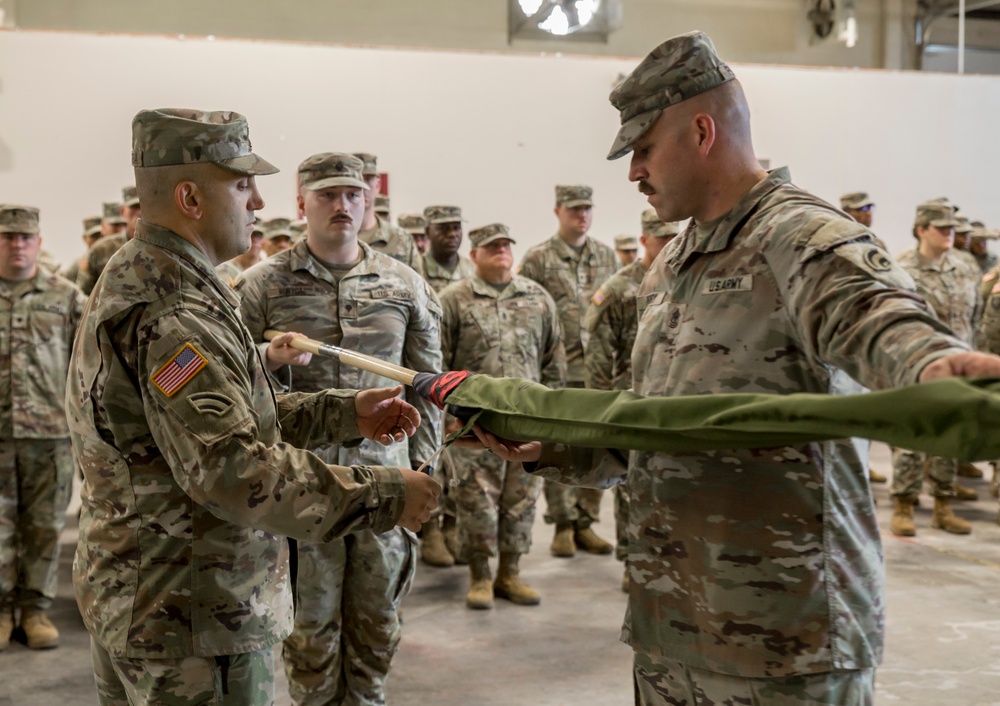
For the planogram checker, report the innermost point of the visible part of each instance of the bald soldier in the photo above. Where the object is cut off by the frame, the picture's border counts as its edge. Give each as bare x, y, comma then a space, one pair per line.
39, 314
379, 232
181, 572
99, 255
571, 266
611, 322
336, 289
755, 577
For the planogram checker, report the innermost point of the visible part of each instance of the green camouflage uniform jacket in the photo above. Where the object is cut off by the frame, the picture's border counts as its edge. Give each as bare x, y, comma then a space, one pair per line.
611, 323
439, 278
395, 242
951, 289
189, 484
97, 259
228, 271
38, 320
383, 309
765, 562
515, 333
571, 279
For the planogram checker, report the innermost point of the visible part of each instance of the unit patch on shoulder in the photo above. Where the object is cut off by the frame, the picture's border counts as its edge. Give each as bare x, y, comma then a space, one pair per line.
179, 370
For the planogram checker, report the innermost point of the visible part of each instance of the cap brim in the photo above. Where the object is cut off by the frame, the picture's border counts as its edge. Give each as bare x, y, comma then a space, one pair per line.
944, 223
438, 221
93, 230
131, 202
119, 221
249, 165
631, 131
577, 202
856, 206
278, 233
331, 182
27, 231
494, 238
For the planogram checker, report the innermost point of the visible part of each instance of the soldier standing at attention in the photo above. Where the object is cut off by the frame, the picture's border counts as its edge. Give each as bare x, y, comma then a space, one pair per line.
336, 289
505, 325
627, 249
755, 576
189, 489
416, 226
380, 233
442, 263
91, 234
277, 236
571, 266
39, 314
229, 270
611, 322
101, 252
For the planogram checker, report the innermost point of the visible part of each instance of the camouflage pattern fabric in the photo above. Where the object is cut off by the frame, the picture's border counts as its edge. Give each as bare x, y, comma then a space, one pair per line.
438, 277
987, 261
71, 272
347, 592
572, 195
228, 271
910, 468
611, 322
97, 259
18, 219
185, 497
395, 242
989, 326
515, 333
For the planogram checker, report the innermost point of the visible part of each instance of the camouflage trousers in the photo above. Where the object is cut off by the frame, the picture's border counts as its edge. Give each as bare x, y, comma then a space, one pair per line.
230, 680
496, 504
663, 682
444, 473
36, 478
910, 467
347, 626
622, 501
572, 505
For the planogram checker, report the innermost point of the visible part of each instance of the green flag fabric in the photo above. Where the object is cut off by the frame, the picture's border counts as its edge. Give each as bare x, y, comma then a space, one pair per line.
954, 417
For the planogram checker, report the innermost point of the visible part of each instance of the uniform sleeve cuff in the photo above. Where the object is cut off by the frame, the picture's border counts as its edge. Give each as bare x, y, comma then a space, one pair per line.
391, 497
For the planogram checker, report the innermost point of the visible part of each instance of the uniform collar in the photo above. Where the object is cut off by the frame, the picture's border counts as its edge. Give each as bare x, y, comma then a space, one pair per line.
948, 262
39, 282
300, 258
378, 233
565, 252
485, 289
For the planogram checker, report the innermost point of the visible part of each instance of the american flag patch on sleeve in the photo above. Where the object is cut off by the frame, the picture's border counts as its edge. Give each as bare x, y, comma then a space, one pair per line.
179, 370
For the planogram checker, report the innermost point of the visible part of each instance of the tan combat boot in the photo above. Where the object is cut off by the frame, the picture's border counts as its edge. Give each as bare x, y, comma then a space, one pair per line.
944, 518
480, 595
963, 493
6, 628
587, 540
968, 470
449, 527
874, 477
902, 517
41, 633
432, 548
562, 542
509, 584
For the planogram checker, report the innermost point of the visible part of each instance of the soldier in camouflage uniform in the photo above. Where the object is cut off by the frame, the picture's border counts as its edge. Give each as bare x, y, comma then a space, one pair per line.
277, 236
979, 246
508, 326
627, 249
756, 575
380, 233
39, 314
859, 206
416, 225
91, 234
231, 269
571, 266
181, 571
382, 209
611, 322
112, 220
953, 293
333, 288
442, 263
101, 252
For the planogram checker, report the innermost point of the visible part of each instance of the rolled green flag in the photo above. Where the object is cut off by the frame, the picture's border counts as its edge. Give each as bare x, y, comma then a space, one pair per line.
954, 417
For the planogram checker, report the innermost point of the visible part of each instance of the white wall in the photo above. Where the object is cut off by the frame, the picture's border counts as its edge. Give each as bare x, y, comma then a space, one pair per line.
492, 133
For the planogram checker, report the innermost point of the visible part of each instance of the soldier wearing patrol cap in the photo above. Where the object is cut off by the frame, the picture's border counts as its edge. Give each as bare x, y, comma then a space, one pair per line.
379, 232
442, 263
92, 232
39, 314
627, 248
506, 325
181, 570
101, 252
980, 238
277, 236
859, 206
112, 220
416, 225
334, 288
382, 209
754, 577
571, 266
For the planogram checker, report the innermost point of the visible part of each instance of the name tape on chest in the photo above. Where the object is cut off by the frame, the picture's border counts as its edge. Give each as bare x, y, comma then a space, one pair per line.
740, 283
179, 370
392, 294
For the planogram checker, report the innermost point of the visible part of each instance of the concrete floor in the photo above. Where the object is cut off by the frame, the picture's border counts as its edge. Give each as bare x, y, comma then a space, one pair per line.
943, 643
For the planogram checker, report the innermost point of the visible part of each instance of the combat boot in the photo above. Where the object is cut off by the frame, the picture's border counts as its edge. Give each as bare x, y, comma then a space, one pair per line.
968, 470
944, 518
509, 584
432, 548
449, 527
41, 633
480, 595
902, 517
562, 542
587, 540
6, 628
874, 477
963, 493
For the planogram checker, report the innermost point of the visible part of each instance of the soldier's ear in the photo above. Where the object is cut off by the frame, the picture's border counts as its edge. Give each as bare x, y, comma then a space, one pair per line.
188, 198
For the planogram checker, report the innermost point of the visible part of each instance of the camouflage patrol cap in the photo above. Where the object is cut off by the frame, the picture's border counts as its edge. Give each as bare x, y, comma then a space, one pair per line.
981, 232
412, 223
680, 68
179, 136
443, 214
130, 196
370, 163
626, 242
574, 195
328, 169
18, 219
382, 205
112, 212
855, 200
92, 225
932, 213
963, 227
276, 227
943, 201
488, 234
652, 224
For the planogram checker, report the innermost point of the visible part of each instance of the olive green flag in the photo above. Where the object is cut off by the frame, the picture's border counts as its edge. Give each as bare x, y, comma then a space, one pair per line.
954, 417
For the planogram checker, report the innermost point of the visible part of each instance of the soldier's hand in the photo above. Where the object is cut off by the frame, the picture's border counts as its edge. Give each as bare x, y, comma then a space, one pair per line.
385, 417
514, 451
966, 365
422, 493
280, 354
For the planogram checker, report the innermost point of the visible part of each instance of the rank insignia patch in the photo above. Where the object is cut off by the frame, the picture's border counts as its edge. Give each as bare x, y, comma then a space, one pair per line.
179, 370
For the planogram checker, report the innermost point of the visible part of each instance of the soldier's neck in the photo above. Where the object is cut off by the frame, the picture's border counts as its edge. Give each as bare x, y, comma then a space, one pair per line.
340, 252
573, 240
931, 254
449, 262
370, 220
